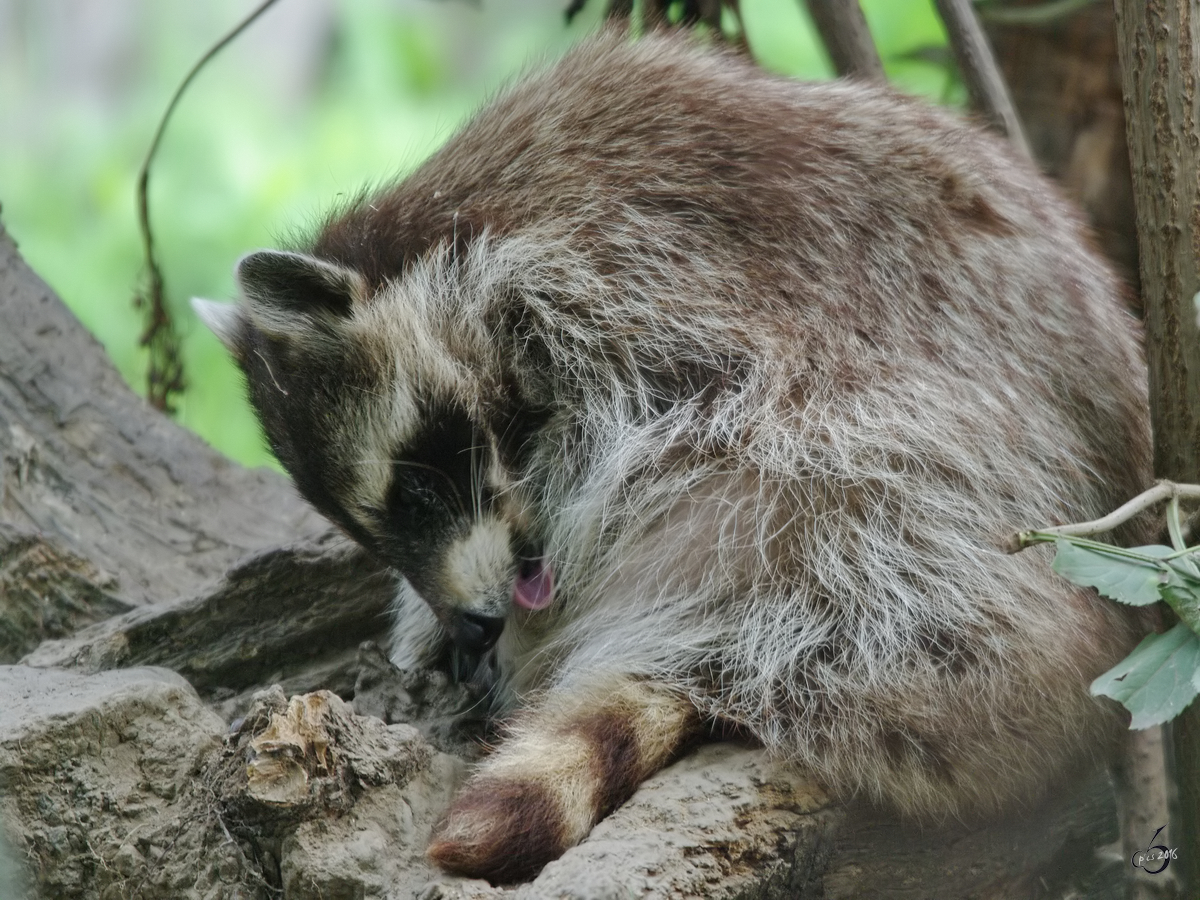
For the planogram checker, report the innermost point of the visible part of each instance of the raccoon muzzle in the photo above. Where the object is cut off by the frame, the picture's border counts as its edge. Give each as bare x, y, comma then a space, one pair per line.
474, 632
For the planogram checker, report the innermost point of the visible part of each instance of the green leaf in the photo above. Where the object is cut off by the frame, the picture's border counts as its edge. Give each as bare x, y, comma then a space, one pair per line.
1186, 565
1115, 575
1182, 594
1158, 679
1176, 593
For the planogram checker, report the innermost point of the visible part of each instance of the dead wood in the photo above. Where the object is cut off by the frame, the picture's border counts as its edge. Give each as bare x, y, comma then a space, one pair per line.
88, 465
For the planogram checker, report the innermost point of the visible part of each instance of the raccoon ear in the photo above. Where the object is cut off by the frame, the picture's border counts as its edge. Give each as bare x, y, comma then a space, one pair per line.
285, 292
224, 320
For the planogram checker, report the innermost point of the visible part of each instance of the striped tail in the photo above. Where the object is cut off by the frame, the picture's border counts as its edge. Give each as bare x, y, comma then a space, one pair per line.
566, 763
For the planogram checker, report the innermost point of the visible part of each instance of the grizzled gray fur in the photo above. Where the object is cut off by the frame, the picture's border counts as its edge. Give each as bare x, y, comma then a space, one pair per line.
681, 394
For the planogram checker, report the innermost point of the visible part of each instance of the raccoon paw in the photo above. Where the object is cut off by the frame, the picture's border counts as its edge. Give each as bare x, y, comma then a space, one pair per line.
504, 830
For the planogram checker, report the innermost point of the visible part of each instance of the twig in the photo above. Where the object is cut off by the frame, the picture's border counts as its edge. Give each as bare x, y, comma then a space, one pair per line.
165, 374
1163, 491
843, 30
1182, 603
1175, 524
977, 64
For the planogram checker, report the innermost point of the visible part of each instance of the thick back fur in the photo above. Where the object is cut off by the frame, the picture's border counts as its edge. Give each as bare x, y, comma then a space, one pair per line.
757, 376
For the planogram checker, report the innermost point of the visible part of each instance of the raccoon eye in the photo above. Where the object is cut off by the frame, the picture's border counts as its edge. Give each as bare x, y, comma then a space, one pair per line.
411, 484
419, 489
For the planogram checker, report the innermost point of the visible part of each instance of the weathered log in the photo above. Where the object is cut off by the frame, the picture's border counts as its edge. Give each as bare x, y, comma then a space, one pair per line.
90, 467
107, 506
275, 615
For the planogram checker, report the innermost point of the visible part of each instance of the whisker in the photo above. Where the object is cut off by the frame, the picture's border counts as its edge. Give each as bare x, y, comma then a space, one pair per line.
476, 478
258, 353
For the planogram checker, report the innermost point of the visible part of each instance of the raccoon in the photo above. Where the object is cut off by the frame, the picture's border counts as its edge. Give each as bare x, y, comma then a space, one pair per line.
683, 396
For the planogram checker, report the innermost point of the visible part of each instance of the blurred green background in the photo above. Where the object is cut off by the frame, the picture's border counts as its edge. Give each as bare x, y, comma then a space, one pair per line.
319, 98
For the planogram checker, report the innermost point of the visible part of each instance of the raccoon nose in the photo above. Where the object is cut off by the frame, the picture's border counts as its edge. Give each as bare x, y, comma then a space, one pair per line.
475, 632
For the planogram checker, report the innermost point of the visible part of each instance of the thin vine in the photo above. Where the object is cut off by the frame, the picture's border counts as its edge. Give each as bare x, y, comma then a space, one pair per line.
164, 373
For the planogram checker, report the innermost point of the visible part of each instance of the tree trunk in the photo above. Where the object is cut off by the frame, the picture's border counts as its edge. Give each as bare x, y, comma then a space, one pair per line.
107, 506
1158, 40
92, 469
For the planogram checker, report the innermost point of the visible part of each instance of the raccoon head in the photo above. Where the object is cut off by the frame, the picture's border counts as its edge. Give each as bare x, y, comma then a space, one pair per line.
372, 416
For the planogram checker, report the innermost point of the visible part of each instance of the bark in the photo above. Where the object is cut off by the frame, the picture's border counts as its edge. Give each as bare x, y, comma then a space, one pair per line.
107, 507
91, 470
1157, 40
1144, 803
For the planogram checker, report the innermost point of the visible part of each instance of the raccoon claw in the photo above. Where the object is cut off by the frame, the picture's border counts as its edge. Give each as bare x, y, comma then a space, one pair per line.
501, 830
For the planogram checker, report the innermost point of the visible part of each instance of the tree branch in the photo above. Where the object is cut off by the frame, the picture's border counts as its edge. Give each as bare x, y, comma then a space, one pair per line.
1158, 45
1161, 492
843, 30
164, 376
977, 64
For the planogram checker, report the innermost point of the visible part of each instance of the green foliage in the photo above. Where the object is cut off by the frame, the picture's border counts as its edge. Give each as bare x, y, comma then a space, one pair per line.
242, 159
1158, 679
1162, 676
909, 35
1132, 577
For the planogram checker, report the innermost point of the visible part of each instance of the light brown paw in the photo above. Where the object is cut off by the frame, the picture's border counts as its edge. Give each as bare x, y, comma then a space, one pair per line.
503, 830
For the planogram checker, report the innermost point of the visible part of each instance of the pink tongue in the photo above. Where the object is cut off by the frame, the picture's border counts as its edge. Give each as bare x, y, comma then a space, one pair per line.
534, 587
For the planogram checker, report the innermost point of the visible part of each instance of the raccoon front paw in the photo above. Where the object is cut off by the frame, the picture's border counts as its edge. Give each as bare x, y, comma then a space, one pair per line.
503, 830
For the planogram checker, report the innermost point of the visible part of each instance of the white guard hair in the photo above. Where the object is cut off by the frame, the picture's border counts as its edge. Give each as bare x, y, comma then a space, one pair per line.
222, 319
